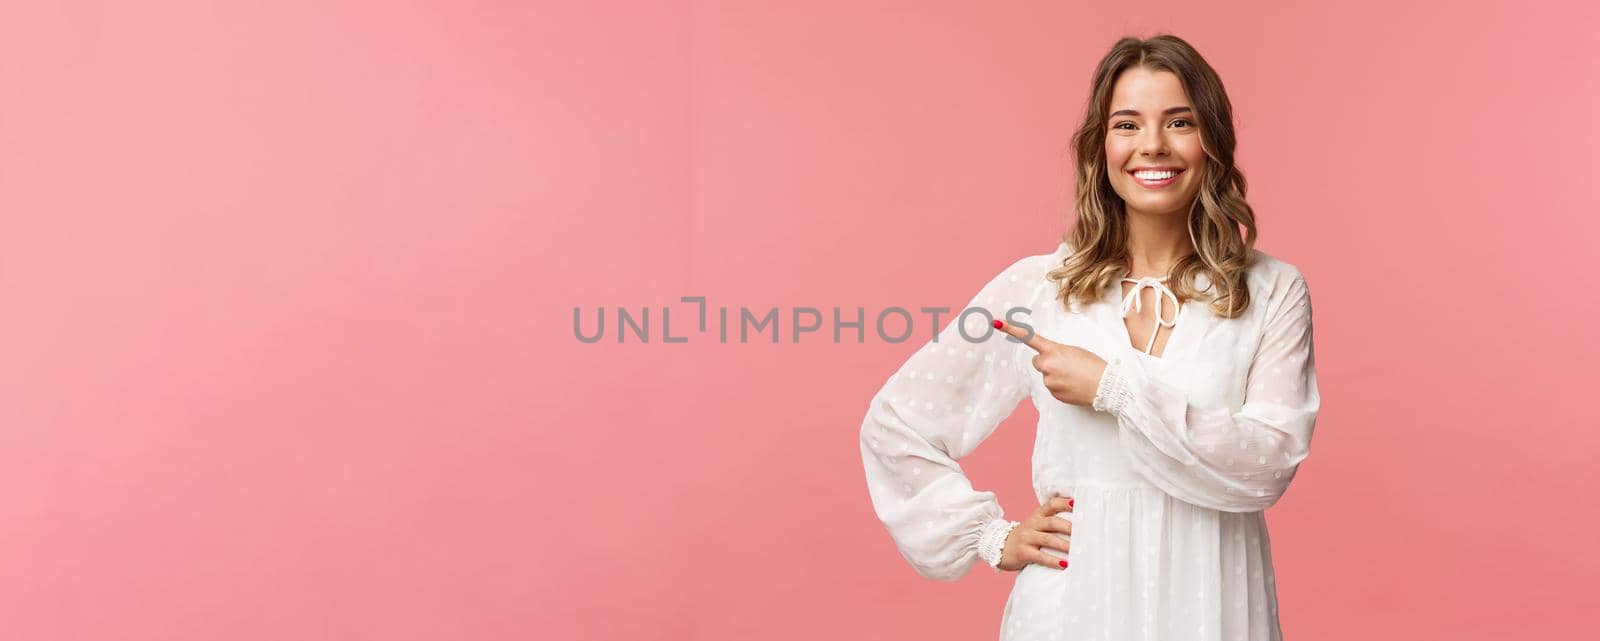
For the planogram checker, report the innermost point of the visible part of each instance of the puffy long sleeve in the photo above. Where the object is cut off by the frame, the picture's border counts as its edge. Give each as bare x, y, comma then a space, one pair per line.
937, 408
1216, 457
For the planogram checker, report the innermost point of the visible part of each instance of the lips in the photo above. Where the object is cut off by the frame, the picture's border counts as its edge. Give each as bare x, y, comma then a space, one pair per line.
1158, 182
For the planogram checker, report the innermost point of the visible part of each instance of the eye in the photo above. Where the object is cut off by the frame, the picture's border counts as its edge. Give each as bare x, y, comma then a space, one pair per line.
1184, 120
1120, 124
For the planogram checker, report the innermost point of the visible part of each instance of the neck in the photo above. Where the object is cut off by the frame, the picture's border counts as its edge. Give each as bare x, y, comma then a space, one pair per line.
1156, 242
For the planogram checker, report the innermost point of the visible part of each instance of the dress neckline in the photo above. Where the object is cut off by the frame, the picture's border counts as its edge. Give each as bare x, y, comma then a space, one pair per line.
1132, 302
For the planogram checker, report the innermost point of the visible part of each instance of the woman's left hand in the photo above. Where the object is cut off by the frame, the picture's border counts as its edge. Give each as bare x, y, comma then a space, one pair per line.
1072, 374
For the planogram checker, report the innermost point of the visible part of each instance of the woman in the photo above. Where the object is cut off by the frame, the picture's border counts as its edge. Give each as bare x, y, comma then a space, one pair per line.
1171, 364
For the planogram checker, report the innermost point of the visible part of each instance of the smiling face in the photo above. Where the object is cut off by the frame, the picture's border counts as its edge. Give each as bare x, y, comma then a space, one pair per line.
1153, 153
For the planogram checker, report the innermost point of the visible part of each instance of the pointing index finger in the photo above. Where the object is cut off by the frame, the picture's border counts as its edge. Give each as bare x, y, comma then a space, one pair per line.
1027, 336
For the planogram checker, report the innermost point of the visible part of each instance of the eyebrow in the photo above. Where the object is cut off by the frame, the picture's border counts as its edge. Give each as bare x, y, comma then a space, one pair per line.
1168, 112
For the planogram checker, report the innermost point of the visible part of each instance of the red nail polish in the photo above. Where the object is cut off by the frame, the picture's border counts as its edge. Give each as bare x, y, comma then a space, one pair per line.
1070, 502
999, 324
1063, 563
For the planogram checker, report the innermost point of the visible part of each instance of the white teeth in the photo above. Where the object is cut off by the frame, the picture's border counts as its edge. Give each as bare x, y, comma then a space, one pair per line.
1155, 175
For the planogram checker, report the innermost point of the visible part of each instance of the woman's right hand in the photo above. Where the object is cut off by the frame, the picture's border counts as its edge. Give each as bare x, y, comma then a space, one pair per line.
1040, 529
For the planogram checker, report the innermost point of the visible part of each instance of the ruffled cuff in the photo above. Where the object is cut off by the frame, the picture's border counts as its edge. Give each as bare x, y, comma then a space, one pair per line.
1112, 393
992, 543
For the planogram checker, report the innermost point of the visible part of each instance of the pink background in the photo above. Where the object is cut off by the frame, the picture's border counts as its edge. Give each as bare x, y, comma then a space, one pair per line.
286, 298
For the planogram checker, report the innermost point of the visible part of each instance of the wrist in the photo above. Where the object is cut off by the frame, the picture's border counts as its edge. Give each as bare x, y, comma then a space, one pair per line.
991, 543
1111, 392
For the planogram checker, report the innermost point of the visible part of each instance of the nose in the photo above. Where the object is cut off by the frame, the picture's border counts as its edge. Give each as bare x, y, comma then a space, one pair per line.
1153, 144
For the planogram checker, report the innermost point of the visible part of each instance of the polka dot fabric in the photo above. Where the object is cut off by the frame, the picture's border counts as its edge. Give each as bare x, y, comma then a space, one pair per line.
1170, 468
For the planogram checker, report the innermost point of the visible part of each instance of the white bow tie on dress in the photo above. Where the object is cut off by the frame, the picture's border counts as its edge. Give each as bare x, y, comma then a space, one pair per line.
1133, 303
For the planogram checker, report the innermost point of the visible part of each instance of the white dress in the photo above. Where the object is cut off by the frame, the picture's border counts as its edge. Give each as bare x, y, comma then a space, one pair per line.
1170, 469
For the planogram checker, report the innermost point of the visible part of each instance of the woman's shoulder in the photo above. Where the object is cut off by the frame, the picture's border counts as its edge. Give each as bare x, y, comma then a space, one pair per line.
1046, 261
1275, 281
1025, 279
1034, 267
1270, 270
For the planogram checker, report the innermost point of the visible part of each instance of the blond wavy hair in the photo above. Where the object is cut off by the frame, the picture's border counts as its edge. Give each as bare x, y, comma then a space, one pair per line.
1099, 238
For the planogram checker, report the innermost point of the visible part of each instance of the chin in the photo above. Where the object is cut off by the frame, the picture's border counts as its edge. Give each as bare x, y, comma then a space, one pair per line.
1160, 206
1158, 202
